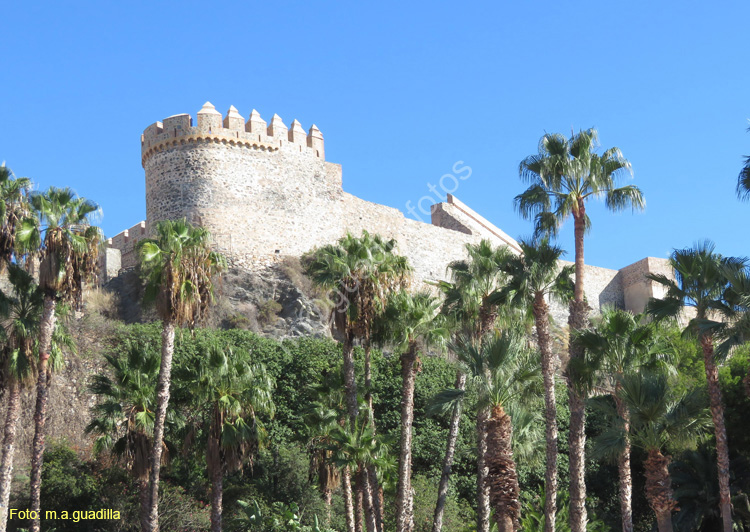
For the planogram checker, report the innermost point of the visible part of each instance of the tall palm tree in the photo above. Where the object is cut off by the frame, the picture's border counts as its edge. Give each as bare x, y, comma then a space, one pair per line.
180, 268
20, 313
470, 303
63, 235
228, 393
700, 282
359, 272
533, 278
563, 176
658, 421
620, 345
14, 207
123, 419
408, 320
505, 374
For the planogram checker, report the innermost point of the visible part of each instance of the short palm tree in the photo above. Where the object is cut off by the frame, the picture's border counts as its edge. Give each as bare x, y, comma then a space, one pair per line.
533, 278
504, 372
470, 303
14, 207
123, 419
408, 321
229, 392
621, 344
68, 244
180, 271
658, 421
563, 176
320, 420
700, 281
20, 312
355, 448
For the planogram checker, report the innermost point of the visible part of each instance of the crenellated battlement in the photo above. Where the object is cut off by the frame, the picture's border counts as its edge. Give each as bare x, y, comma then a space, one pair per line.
233, 130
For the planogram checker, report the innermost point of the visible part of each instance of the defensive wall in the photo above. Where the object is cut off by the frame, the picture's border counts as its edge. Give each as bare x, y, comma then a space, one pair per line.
265, 190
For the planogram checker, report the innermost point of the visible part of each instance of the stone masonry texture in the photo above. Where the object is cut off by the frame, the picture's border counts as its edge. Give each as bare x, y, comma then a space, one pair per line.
266, 192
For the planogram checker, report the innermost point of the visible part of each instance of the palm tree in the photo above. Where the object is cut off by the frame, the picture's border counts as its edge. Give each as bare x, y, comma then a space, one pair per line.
355, 448
179, 267
409, 320
320, 421
470, 302
359, 272
621, 345
563, 176
534, 277
701, 282
228, 392
505, 374
68, 243
658, 420
14, 207
20, 313
734, 330
743, 181
123, 419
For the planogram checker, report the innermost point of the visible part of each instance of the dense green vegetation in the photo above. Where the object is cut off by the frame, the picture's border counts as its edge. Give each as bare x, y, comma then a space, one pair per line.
280, 476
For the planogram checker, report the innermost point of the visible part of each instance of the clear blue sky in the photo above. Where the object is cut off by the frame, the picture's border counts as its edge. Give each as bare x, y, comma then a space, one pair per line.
401, 92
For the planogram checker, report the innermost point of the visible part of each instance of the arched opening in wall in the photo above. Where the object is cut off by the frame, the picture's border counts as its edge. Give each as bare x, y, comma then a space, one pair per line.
258, 138
317, 153
281, 143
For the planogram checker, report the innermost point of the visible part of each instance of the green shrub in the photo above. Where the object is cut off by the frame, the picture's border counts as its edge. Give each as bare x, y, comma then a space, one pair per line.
268, 311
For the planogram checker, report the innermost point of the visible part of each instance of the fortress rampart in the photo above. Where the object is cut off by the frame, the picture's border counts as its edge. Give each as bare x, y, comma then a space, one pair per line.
265, 191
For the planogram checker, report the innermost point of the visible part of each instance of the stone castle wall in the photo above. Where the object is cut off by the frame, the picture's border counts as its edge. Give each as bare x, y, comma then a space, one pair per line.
265, 191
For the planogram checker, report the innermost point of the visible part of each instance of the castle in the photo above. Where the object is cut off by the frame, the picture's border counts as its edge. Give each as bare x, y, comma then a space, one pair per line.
265, 191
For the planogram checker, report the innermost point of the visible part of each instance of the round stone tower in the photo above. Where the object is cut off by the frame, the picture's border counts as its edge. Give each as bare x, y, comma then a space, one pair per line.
261, 189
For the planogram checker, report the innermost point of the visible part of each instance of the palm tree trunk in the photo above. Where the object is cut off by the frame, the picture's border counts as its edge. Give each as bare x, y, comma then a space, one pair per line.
350, 381
483, 496
549, 366
717, 415
502, 477
143, 494
377, 493
659, 488
577, 439
370, 517
348, 502
372, 475
162, 402
328, 497
47, 327
623, 467
216, 498
403, 489
577, 459
6, 467
450, 451
350, 385
359, 500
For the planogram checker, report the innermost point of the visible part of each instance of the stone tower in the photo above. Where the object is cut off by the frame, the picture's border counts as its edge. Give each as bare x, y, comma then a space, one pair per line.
255, 186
